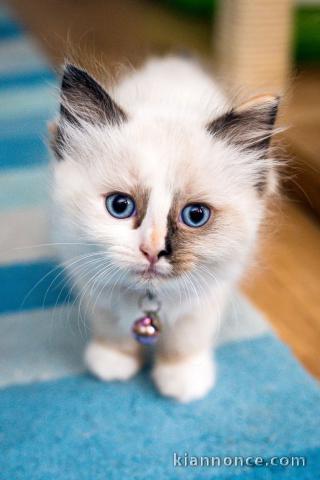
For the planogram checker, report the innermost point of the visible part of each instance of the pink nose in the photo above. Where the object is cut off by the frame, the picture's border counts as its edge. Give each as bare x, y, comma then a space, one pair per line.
151, 255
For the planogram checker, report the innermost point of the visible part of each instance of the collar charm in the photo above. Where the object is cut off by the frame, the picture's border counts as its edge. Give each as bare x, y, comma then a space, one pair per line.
146, 329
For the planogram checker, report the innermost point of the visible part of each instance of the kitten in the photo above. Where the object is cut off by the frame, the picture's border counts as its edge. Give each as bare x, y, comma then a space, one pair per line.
162, 186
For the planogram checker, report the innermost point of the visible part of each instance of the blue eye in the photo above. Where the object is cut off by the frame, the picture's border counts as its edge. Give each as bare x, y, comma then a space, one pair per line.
120, 205
195, 215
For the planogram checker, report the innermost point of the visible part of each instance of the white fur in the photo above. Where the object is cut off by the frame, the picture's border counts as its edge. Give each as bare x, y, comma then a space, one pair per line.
164, 147
186, 380
110, 364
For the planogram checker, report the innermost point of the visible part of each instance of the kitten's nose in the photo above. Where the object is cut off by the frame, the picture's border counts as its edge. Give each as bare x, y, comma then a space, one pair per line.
152, 255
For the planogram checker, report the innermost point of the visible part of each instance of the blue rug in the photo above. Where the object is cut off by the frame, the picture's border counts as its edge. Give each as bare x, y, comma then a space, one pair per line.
262, 421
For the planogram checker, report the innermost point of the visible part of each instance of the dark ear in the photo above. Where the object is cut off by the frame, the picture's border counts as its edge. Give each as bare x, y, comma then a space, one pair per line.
83, 100
250, 125
83, 97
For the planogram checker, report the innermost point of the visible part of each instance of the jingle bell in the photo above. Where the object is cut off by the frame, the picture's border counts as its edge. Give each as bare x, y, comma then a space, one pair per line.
146, 329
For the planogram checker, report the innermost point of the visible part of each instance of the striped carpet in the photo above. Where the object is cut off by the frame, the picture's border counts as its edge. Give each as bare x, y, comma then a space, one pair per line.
56, 422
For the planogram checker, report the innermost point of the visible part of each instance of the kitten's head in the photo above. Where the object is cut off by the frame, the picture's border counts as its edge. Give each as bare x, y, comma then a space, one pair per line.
166, 195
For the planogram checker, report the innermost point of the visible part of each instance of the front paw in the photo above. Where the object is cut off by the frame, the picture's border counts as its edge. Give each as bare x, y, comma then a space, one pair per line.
186, 380
109, 363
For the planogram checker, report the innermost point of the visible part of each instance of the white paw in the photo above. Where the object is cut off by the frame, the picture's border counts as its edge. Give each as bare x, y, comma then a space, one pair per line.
110, 364
187, 380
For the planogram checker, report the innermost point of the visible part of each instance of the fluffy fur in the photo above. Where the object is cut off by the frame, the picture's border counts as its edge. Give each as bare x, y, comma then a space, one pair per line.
168, 137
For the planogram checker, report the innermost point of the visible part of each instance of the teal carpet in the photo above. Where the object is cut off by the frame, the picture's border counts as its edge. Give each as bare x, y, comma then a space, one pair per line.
57, 422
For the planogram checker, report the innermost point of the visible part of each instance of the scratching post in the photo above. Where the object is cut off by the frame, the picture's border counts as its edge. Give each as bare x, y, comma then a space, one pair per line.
252, 43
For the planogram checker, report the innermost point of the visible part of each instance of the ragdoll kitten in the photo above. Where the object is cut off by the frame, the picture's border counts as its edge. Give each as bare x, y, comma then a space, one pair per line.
162, 186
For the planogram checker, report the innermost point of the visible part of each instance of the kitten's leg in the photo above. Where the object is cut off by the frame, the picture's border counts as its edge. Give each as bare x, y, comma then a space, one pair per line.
186, 379
184, 368
110, 361
112, 354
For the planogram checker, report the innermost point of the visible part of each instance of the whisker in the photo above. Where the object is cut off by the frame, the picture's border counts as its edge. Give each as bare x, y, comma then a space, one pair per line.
93, 278
55, 244
66, 265
86, 263
105, 275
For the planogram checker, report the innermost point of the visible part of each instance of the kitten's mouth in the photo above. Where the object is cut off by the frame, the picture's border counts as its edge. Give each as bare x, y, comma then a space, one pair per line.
150, 273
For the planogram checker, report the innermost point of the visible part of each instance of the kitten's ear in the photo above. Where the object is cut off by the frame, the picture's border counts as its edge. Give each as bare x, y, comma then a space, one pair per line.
250, 125
84, 99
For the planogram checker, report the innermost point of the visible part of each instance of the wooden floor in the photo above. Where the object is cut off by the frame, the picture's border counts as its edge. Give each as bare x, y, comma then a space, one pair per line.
286, 283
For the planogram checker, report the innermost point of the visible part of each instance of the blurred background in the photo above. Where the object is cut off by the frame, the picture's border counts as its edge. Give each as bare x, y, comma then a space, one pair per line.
253, 46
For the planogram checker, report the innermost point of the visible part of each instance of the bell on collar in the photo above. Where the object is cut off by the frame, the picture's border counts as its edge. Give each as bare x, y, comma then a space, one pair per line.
146, 329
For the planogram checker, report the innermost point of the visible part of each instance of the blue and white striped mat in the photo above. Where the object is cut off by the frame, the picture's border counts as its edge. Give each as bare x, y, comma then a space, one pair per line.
56, 422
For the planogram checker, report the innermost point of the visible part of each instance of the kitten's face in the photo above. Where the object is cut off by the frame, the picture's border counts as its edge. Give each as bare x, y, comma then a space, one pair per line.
165, 199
